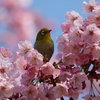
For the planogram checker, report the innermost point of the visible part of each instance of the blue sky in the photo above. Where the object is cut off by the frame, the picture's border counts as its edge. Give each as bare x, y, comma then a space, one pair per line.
56, 9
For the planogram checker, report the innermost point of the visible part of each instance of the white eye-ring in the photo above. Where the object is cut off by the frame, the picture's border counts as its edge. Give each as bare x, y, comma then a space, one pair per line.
43, 32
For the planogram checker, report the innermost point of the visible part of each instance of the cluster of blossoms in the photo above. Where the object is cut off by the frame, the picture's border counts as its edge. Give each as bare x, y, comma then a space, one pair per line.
78, 61
79, 50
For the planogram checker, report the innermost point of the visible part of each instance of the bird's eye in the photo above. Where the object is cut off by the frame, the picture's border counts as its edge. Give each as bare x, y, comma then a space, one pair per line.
43, 32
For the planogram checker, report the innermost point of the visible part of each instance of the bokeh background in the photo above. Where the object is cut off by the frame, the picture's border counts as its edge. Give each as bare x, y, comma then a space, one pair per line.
22, 19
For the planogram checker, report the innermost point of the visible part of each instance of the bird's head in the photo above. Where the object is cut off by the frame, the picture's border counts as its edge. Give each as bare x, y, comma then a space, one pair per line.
43, 34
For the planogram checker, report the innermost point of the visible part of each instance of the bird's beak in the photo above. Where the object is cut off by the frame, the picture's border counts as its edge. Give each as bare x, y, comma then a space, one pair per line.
49, 30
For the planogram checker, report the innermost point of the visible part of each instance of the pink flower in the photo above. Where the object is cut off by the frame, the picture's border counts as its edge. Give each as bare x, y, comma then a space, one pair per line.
34, 57
85, 58
30, 92
88, 49
59, 56
46, 93
47, 69
96, 51
49, 93
24, 3
26, 80
60, 90
18, 88
74, 18
92, 34
74, 48
65, 27
96, 17
64, 75
8, 70
91, 6
6, 53
32, 72
76, 35
63, 38
69, 59
74, 93
24, 47
63, 45
88, 21
78, 79
6, 88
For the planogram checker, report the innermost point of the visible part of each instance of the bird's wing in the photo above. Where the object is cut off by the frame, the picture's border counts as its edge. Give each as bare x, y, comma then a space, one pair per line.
39, 46
46, 49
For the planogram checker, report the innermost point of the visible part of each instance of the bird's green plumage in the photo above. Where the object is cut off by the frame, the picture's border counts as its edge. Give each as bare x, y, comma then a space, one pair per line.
44, 43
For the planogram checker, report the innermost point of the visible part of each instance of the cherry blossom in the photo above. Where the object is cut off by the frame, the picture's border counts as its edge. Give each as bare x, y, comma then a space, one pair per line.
76, 32
25, 79
30, 92
74, 18
78, 79
6, 88
65, 27
60, 90
34, 57
91, 6
93, 34
69, 59
24, 47
8, 70
74, 93
6, 53
47, 69
46, 93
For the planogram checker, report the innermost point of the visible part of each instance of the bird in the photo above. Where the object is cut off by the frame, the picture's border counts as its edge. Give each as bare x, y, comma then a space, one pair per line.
44, 44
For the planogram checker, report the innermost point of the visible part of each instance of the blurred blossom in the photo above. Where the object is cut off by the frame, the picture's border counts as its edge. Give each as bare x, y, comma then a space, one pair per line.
6, 53
20, 21
25, 3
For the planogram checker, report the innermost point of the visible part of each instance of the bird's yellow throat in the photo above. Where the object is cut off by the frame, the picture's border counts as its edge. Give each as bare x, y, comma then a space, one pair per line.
47, 37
